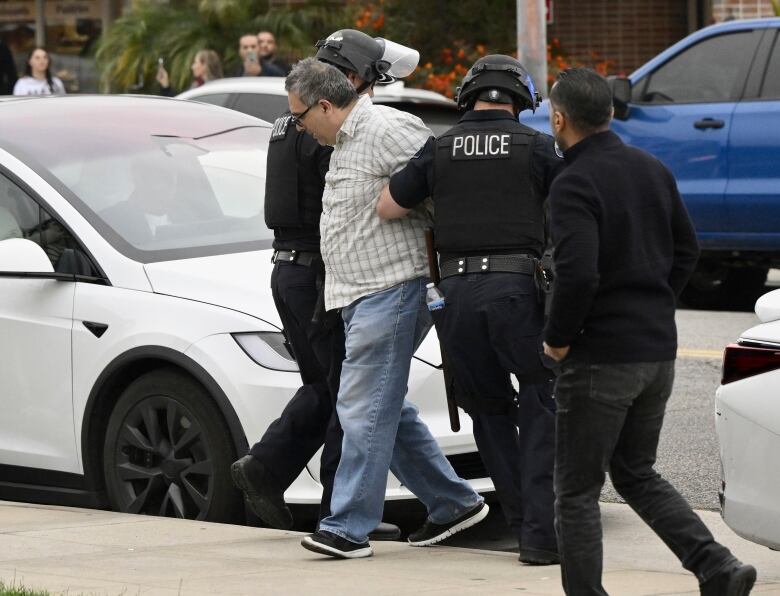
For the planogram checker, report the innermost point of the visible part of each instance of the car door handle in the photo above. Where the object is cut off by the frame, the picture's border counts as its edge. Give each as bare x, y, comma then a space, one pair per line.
708, 123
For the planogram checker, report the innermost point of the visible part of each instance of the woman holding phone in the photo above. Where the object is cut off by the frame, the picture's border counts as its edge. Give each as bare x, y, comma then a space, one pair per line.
206, 66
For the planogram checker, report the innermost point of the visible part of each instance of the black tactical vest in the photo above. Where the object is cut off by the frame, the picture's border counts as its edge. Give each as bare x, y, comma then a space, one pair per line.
484, 196
293, 187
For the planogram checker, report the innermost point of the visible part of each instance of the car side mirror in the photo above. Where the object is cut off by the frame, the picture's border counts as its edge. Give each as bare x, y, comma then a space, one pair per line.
621, 96
18, 255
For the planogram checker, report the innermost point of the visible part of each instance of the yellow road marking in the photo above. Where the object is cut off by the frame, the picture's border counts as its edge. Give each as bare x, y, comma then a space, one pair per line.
695, 353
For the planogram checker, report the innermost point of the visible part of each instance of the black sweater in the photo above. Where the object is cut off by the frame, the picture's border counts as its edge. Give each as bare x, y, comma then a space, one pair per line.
624, 249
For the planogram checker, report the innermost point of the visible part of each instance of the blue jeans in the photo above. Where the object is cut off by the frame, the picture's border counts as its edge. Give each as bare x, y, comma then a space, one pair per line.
609, 417
382, 430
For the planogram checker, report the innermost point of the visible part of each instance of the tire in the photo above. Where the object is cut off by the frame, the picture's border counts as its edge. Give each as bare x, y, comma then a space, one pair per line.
716, 287
168, 452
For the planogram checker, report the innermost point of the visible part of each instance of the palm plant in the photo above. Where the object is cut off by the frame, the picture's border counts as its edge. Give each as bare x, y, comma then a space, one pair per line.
127, 53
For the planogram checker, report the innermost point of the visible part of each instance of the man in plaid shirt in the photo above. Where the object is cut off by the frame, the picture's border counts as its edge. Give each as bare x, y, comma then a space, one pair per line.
375, 273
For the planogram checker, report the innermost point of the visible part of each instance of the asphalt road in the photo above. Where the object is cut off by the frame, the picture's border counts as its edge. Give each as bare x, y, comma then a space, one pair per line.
688, 450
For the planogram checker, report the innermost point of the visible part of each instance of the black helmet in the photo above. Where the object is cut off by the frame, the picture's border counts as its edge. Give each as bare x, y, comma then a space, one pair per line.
354, 50
497, 79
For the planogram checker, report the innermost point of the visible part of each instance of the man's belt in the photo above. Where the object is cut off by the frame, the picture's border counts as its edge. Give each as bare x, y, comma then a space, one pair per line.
299, 257
489, 264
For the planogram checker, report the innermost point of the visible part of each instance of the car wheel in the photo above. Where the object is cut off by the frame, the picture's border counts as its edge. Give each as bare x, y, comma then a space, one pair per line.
714, 286
167, 451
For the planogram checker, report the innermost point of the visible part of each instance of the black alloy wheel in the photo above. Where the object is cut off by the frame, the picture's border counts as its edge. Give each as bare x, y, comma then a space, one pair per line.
167, 451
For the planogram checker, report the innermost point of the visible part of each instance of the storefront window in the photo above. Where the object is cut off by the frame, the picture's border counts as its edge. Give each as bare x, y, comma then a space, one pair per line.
71, 28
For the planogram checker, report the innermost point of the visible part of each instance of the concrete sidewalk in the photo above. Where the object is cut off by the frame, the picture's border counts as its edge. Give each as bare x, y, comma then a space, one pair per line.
80, 551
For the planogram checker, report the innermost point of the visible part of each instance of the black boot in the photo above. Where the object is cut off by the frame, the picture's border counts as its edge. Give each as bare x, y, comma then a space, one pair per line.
261, 492
735, 579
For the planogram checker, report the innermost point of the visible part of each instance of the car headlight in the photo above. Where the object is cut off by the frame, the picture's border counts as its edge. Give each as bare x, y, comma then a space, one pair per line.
268, 349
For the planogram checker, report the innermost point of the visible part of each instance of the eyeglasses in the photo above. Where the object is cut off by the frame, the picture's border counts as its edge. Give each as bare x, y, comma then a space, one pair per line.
297, 120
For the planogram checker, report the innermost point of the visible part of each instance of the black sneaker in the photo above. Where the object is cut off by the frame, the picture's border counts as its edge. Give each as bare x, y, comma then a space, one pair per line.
538, 556
432, 533
735, 579
328, 543
261, 493
385, 531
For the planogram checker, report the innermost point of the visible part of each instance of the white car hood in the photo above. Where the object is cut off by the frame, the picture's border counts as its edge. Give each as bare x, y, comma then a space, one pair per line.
239, 281
242, 282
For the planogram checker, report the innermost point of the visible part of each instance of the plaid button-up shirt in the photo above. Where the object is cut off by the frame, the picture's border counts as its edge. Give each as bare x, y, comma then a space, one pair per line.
362, 253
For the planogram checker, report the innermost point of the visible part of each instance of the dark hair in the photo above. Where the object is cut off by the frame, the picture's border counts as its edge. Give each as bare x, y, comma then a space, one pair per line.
28, 68
584, 97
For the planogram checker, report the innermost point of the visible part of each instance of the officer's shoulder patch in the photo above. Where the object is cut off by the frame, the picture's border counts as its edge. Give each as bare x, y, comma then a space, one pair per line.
280, 128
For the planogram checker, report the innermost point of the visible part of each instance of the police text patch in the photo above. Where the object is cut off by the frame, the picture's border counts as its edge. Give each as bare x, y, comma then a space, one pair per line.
279, 130
486, 145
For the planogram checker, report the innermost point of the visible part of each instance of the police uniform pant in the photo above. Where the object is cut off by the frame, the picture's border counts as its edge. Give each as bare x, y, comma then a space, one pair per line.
309, 419
490, 329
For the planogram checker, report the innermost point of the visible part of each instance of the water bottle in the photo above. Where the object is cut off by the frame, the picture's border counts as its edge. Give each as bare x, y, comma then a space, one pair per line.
433, 297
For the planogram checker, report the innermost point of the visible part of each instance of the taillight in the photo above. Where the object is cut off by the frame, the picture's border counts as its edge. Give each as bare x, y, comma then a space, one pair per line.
741, 362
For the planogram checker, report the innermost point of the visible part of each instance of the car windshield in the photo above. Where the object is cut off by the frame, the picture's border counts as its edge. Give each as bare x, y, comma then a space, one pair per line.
165, 197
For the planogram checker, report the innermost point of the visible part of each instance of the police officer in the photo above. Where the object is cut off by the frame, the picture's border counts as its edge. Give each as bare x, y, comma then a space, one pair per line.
296, 169
488, 177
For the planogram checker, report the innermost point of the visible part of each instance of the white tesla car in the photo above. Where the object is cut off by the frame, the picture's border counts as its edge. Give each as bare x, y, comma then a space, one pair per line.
265, 98
747, 422
140, 351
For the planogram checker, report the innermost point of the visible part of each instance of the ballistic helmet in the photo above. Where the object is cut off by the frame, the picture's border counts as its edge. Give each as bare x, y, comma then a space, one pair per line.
348, 49
498, 79
374, 60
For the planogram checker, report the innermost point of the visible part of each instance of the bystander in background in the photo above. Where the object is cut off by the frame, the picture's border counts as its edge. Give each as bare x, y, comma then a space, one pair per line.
253, 65
267, 50
206, 66
38, 79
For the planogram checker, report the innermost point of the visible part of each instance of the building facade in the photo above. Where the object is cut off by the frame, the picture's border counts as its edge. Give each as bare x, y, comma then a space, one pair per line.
626, 34
67, 28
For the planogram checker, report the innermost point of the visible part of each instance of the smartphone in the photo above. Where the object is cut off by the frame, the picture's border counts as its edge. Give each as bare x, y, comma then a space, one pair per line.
251, 56
160, 63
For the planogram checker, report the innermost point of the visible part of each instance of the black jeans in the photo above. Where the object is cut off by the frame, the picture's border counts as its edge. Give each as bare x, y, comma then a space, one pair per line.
609, 417
490, 329
309, 419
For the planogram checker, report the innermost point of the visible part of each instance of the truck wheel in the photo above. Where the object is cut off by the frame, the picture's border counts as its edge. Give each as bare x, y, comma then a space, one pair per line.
716, 287
167, 451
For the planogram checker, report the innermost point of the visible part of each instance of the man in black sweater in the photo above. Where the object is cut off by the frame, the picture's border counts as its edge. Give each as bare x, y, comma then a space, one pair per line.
624, 249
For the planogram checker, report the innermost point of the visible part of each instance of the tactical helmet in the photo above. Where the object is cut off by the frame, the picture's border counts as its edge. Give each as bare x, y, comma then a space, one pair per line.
354, 50
498, 79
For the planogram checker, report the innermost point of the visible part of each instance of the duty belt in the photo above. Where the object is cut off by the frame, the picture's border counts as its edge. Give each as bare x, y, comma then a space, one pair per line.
299, 257
489, 264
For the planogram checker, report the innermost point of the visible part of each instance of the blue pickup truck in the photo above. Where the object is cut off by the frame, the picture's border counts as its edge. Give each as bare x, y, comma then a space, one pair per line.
709, 108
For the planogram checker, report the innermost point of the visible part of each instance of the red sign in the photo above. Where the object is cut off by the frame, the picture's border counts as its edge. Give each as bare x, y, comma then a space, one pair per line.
548, 11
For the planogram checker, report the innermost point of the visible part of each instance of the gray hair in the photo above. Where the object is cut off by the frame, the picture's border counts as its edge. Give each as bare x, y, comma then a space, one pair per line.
312, 80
